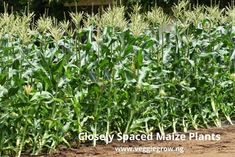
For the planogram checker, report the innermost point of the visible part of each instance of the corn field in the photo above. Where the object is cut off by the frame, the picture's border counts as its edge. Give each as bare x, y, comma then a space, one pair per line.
149, 73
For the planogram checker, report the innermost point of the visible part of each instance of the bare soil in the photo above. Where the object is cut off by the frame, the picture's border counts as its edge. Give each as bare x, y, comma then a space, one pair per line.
225, 147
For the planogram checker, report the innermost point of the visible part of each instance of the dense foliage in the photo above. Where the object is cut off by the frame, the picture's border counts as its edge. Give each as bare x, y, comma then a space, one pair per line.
146, 75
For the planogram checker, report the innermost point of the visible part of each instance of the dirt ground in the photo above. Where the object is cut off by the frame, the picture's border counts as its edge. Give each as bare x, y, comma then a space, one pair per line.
225, 147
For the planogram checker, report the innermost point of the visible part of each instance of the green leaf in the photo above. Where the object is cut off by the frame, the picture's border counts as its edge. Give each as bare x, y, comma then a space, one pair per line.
139, 59
3, 79
3, 91
12, 91
44, 95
